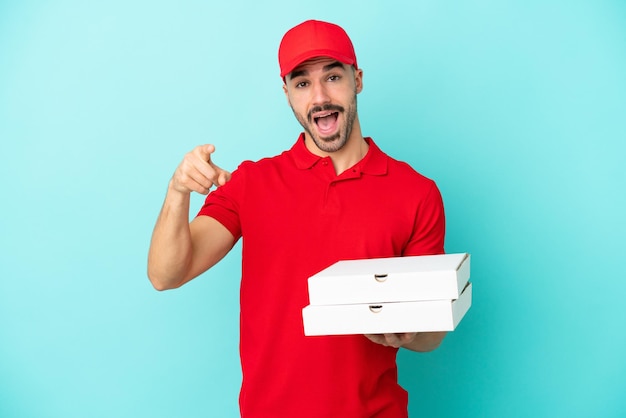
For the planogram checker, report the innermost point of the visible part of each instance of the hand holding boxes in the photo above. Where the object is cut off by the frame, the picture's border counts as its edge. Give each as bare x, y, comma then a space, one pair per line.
389, 295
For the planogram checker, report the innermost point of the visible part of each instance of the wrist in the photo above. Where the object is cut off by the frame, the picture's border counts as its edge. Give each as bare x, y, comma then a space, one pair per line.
175, 196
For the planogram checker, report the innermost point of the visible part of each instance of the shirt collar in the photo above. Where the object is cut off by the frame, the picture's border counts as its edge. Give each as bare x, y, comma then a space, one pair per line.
374, 162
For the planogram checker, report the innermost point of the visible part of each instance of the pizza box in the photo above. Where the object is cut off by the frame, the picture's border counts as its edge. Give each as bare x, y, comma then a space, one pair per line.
393, 279
393, 317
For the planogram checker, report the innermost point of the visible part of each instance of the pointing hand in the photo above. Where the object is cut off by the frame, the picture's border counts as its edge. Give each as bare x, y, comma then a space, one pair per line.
198, 173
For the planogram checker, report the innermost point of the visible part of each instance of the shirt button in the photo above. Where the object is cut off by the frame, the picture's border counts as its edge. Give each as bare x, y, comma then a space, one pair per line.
325, 162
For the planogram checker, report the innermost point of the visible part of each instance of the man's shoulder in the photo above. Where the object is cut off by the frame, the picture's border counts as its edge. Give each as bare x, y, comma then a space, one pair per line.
265, 162
396, 168
406, 171
265, 167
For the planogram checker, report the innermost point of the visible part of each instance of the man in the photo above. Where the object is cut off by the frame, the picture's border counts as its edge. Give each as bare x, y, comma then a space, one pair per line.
334, 195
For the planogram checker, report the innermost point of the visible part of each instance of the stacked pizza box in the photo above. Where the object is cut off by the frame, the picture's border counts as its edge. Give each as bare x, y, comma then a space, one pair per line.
389, 295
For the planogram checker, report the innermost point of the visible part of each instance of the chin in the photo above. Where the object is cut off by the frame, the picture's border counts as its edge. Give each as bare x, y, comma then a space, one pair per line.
331, 144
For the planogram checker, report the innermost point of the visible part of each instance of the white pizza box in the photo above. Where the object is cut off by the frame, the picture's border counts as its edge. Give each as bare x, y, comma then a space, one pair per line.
393, 279
418, 316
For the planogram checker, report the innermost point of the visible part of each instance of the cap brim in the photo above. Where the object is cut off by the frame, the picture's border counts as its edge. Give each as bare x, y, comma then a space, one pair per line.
296, 61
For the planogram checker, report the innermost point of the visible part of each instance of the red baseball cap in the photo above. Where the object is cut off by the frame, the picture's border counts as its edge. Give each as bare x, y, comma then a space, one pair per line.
311, 39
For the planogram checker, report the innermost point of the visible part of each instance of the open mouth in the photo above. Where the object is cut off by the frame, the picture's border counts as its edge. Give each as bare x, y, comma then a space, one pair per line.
327, 122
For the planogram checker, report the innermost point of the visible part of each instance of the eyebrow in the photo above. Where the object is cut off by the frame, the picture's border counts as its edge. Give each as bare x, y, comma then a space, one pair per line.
298, 73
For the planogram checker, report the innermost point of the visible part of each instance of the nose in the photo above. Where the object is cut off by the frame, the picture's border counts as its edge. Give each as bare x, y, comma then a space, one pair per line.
319, 94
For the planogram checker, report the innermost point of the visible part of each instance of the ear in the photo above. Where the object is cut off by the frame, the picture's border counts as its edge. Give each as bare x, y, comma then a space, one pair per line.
358, 80
286, 91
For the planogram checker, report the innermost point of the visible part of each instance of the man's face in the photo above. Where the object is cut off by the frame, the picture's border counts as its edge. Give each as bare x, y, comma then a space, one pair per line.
322, 94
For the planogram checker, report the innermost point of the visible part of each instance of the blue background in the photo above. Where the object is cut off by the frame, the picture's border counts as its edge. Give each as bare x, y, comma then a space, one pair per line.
516, 109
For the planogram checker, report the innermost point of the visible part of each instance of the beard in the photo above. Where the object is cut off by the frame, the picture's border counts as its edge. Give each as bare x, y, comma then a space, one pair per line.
339, 139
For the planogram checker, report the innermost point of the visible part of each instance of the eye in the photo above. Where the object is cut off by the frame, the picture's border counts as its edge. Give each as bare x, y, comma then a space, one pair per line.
334, 78
301, 84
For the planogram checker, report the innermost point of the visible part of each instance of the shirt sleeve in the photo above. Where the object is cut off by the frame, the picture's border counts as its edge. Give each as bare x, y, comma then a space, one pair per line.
430, 226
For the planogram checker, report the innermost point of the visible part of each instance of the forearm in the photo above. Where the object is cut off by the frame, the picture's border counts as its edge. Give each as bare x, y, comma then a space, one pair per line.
171, 249
425, 341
